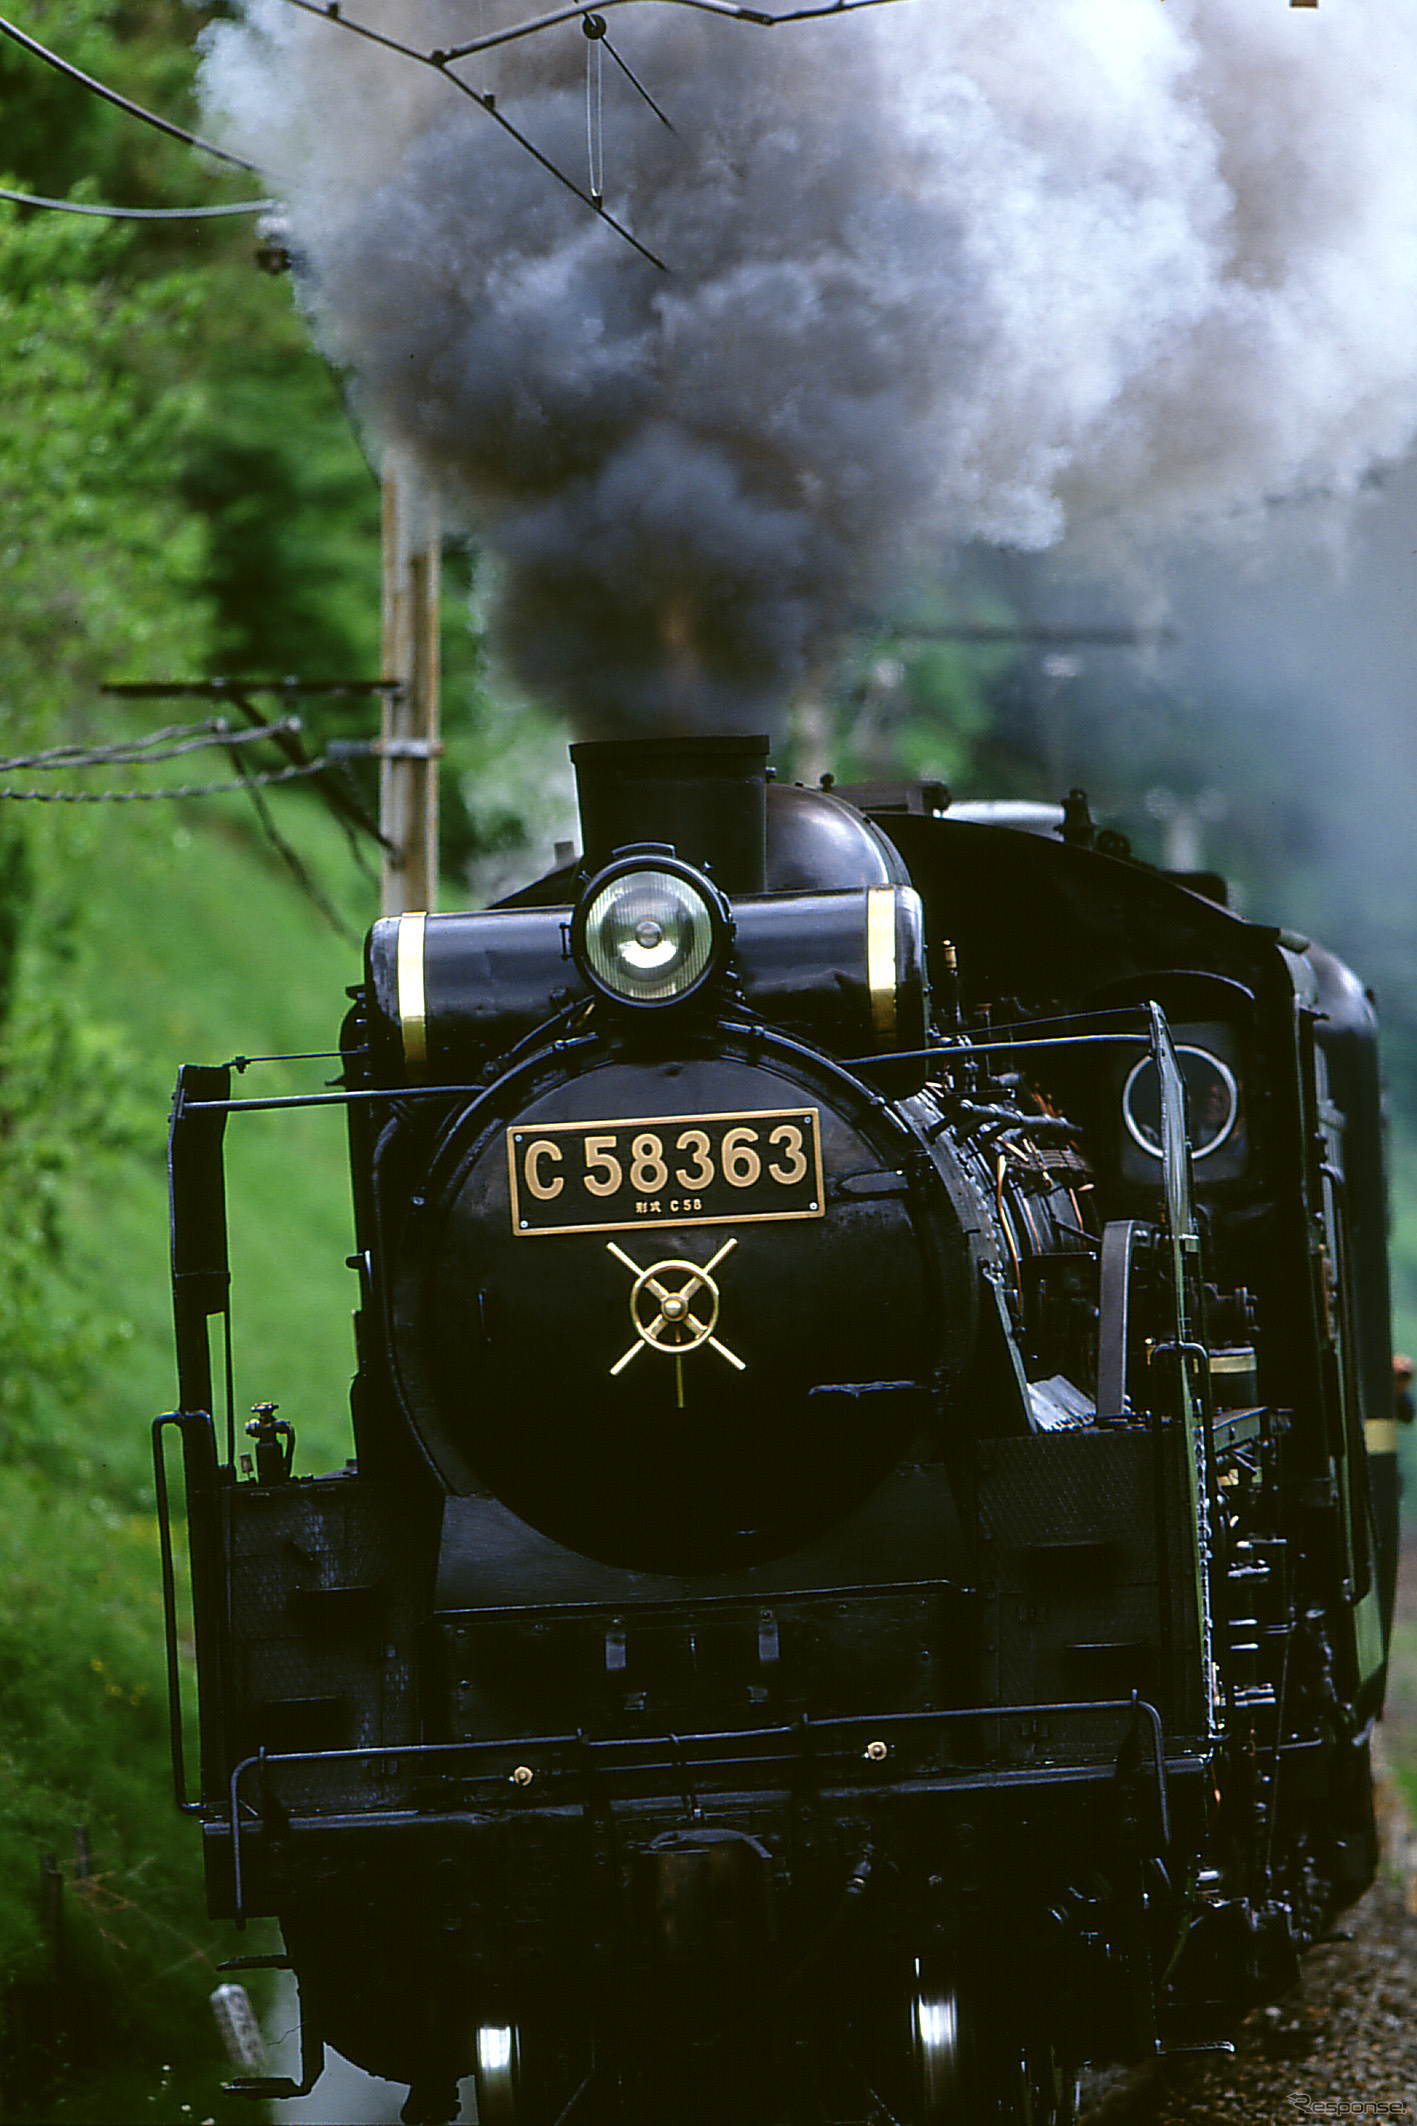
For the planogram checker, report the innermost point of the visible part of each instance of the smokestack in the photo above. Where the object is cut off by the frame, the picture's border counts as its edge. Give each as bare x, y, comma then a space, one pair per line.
707, 797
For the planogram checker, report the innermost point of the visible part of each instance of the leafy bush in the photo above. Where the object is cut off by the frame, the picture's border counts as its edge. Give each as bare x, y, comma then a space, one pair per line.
64, 1105
117, 1977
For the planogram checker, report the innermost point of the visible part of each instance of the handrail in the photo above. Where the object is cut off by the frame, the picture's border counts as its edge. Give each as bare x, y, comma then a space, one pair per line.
681, 1753
200, 1474
169, 1616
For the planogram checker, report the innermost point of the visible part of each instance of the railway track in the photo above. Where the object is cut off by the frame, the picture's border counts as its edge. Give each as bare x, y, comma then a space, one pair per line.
1343, 2046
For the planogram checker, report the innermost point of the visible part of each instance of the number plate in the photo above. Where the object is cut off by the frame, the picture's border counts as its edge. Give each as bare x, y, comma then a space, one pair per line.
606, 1177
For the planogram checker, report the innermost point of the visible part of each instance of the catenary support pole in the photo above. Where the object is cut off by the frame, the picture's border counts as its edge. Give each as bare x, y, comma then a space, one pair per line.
411, 744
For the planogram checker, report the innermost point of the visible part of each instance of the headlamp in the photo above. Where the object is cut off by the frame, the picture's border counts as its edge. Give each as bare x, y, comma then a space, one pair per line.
650, 931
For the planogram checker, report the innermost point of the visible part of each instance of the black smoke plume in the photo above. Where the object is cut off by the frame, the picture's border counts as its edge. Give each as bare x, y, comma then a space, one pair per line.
941, 271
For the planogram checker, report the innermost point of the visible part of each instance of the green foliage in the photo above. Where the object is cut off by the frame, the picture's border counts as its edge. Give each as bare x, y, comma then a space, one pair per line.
106, 366
103, 574
125, 1975
184, 942
103, 568
209, 953
911, 697
1402, 1152
57, 131
63, 1106
508, 794
190, 488
15, 888
292, 511
80, 1672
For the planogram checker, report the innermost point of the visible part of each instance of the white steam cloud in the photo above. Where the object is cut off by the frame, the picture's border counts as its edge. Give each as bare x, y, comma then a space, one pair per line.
946, 270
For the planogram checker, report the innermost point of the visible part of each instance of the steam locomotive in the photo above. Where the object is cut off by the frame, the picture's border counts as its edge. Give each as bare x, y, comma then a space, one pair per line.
860, 1589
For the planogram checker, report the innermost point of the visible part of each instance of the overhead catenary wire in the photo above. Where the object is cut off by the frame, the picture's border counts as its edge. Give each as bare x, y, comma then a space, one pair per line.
264, 776
443, 60
79, 206
599, 41
338, 787
289, 856
633, 78
122, 103
331, 775
594, 27
440, 62
329, 770
166, 744
175, 740
758, 18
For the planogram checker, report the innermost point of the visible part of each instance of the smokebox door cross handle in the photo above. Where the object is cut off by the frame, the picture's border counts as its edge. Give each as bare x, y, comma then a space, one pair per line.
663, 1299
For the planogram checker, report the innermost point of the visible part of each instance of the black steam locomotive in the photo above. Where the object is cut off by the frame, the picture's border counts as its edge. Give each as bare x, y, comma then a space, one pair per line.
860, 1588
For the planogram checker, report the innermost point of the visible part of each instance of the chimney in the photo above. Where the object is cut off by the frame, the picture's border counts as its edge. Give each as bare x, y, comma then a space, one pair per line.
705, 796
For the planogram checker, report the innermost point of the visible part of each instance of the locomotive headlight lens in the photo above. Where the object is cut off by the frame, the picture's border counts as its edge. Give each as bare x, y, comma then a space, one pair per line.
649, 934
